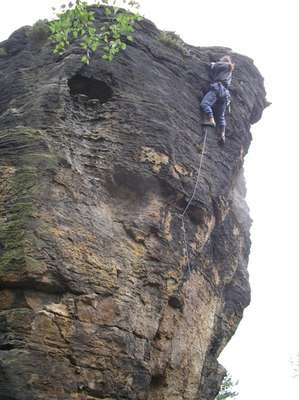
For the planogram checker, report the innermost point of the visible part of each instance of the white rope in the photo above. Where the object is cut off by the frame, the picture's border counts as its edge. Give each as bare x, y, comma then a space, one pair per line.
191, 198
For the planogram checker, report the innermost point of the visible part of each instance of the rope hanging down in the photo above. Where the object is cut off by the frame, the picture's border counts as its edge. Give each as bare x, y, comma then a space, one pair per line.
192, 197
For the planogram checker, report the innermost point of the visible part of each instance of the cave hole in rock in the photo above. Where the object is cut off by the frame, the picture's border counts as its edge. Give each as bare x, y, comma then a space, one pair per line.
90, 87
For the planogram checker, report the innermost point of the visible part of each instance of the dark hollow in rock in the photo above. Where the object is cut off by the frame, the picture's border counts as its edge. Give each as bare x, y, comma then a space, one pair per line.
157, 380
90, 87
2, 248
176, 302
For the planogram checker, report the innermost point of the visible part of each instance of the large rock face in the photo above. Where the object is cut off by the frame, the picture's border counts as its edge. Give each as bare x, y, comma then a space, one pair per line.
97, 164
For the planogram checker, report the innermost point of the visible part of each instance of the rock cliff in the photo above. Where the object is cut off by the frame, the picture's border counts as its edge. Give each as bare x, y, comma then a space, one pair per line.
96, 166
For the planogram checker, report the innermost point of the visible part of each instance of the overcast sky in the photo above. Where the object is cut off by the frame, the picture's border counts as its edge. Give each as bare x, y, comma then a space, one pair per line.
267, 31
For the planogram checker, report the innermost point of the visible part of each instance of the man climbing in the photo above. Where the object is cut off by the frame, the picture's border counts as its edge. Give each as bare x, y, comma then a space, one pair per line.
217, 99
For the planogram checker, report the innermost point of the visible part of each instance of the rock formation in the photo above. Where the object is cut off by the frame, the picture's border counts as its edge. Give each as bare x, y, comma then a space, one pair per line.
96, 166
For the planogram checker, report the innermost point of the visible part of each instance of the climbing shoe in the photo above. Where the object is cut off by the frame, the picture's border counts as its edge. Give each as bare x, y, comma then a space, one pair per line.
222, 137
209, 121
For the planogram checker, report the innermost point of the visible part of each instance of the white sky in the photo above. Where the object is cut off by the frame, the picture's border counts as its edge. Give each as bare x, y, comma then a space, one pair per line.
267, 31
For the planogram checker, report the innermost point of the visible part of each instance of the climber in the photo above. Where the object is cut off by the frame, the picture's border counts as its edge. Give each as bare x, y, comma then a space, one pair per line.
217, 99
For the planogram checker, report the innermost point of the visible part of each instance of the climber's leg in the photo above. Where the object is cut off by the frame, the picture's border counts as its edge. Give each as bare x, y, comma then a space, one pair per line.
220, 110
222, 135
206, 106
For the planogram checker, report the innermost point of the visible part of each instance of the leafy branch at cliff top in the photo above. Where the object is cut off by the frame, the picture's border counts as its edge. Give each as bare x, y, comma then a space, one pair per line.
76, 21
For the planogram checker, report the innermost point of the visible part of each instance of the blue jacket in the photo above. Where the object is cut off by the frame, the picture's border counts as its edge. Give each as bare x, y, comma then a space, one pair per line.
221, 72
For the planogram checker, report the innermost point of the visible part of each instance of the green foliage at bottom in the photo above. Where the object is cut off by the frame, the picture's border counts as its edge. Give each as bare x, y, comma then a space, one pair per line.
227, 390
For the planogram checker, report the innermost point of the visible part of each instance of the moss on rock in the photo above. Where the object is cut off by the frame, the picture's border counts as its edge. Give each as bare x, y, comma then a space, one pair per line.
3, 52
21, 184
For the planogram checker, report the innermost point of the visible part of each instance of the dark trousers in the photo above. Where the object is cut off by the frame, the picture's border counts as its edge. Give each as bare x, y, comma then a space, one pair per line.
215, 102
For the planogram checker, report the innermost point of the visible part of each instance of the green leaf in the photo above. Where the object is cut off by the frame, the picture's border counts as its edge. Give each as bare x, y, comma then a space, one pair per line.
85, 59
77, 22
94, 47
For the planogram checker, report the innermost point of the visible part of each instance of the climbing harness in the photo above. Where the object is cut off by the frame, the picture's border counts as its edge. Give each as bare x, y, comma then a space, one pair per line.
192, 197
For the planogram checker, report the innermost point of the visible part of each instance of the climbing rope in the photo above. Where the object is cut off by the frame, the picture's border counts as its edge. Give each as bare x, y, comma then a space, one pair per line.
191, 199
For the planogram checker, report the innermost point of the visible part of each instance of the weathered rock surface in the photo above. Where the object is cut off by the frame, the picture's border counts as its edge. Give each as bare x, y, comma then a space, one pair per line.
96, 165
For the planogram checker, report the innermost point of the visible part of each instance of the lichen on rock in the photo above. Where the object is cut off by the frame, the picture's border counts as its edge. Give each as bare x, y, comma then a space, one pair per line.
97, 164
